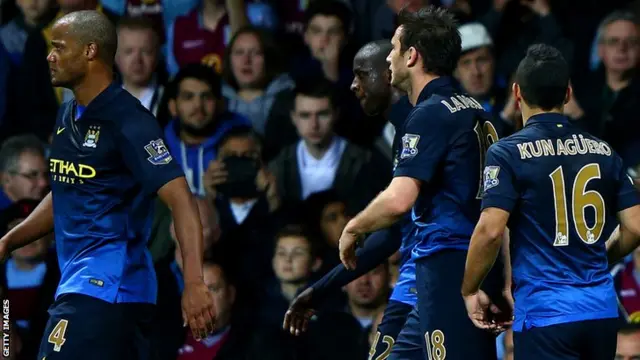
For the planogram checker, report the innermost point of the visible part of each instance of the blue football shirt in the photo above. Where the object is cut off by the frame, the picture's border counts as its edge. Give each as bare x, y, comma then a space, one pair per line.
563, 189
106, 168
443, 145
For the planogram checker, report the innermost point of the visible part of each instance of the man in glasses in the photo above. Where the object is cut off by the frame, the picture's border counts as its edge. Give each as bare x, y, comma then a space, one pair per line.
23, 170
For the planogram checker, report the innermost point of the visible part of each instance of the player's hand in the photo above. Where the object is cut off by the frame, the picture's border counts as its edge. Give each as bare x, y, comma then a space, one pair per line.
483, 312
296, 320
347, 246
214, 176
198, 310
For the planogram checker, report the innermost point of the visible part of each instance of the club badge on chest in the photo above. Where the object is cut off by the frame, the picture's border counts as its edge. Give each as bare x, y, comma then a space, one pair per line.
92, 136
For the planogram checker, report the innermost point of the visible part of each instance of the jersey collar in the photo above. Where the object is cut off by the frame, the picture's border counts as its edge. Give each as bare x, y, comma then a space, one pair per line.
547, 118
434, 85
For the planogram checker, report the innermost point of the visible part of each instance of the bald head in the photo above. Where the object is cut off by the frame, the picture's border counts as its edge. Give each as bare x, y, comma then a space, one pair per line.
375, 53
92, 27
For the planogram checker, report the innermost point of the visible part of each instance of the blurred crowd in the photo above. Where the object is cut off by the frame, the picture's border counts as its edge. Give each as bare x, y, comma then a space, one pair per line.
260, 109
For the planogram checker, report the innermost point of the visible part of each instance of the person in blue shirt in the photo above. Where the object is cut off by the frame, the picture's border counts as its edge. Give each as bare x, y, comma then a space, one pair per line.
107, 163
561, 192
438, 179
377, 97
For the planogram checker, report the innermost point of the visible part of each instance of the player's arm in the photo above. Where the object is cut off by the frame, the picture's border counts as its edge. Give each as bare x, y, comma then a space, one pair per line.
178, 198
38, 224
378, 248
424, 145
499, 199
628, 207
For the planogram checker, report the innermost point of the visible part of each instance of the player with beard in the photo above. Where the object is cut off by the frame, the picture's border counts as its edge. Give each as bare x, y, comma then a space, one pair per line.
108, 163
371, 84
200, 122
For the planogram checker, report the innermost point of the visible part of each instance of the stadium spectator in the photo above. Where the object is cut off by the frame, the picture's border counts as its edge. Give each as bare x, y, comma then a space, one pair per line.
202, 35
295, 259
628, 343
33, 14
367, 296
199, 122
607, 97
137, 61
30, 277
321, 159
23, 170
627, 281
253, 75
241, 200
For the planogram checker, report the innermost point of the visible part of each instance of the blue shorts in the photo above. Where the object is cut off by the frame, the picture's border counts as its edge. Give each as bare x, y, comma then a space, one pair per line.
395, 315
84, 327
439, 327
582, 340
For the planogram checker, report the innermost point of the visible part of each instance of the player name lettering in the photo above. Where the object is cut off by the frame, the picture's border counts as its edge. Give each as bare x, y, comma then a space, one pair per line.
576, 145
69, 172
461, 102
6, 329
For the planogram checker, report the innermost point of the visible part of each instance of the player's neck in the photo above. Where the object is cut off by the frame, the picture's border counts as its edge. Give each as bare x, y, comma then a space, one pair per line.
91, 87
418, 83
617, 80
290, 290
528, 113
364, 312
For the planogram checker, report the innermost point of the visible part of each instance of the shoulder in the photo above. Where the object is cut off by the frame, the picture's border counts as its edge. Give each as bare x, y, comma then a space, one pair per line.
127, 113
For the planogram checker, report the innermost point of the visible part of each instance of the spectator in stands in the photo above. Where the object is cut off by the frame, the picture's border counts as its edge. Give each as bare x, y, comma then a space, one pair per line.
606, 100
23, 170
253, 75
367, 296
628, 343
200, 122
33, 14
30, 277
202, 35
295, 259
627, 281
248, 203
137, 60
161, 13
322, 160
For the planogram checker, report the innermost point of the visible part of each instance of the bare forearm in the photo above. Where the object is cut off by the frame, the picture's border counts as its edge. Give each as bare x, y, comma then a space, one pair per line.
483, 252
34, 227
186, 220
506, 256
621, 245
381, 213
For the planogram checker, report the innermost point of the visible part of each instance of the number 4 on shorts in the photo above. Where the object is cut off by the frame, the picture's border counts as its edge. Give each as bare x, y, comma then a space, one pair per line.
57, 335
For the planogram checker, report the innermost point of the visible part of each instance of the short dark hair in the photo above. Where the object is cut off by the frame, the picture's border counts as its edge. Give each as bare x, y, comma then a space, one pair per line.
15, 146
272, 56
329, 8
543, 77
433, 32
317, 88
241, 131
225, 269
200, 72
629, 328
90, 26
297, 230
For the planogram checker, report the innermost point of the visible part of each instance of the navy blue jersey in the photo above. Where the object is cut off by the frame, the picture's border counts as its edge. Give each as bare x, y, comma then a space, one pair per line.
443, 144
106, 168
563, 188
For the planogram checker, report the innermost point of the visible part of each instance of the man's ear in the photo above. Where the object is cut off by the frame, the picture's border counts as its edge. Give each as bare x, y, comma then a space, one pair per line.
412, 60
173, 109
91, 51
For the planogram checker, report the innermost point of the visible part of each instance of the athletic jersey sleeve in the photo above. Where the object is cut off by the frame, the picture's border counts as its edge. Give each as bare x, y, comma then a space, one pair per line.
145, 153
499, 180
424, 144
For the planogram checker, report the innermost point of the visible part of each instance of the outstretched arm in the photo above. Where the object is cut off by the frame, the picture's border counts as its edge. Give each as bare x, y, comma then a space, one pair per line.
38, 224
378, 248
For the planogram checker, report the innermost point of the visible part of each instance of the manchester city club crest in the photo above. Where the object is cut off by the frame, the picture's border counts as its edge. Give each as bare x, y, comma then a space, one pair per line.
92, 136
